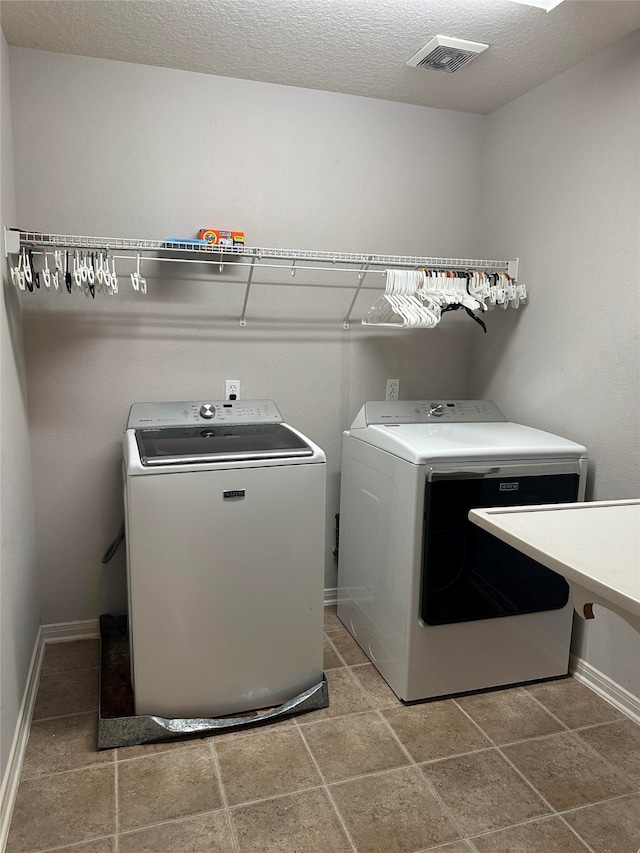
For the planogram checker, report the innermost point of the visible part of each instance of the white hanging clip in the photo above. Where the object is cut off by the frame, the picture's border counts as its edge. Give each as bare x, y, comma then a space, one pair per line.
17, 273
114, 275
55, 275
103, 266
46, 272
77, 269
84, 275
91, 273
137, 281
26, 268
503, 294
99, 272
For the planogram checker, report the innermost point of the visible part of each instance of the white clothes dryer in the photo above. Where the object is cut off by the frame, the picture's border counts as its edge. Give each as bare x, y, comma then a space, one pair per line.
225, 533
440, 606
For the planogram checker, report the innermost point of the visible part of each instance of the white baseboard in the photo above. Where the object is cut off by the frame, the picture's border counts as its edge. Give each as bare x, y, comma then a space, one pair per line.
60, 633
331, 595
63, 632
605, 687
13, 770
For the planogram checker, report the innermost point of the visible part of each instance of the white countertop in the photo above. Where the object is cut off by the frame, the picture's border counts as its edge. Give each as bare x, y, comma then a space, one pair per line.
595, 546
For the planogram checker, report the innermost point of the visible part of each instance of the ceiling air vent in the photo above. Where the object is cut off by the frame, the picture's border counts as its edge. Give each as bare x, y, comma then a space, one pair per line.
443, 53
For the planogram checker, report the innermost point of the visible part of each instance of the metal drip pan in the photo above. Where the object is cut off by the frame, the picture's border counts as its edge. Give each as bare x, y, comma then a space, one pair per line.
119, 726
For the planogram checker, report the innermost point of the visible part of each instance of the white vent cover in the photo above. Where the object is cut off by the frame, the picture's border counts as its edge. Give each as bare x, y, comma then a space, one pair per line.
443, 53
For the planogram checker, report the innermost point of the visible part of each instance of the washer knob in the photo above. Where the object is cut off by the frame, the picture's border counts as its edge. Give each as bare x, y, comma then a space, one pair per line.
208, 410
437, 410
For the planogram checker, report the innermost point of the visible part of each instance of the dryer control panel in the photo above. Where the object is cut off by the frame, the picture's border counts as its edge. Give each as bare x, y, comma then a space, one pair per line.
427, 411
203, 412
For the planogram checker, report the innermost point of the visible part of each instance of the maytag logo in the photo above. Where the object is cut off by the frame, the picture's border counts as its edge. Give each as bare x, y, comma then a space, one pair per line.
233, 493
509, 487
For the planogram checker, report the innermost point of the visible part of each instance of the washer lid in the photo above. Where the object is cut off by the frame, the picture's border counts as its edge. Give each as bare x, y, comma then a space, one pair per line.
218, 443
445, 442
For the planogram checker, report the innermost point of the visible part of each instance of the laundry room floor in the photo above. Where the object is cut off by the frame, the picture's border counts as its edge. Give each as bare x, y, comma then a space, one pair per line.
550, 768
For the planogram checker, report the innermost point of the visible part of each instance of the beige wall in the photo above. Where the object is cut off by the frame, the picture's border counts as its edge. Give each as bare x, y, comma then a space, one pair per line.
150, 152
562, 183
18, 595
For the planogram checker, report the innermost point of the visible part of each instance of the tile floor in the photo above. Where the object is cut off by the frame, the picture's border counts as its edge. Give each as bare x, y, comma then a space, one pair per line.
551, 768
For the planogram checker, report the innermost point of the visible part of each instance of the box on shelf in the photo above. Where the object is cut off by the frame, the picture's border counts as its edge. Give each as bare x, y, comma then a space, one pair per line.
215, 237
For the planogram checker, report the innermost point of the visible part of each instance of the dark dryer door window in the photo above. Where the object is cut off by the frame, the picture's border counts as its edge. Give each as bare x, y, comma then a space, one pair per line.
467, 573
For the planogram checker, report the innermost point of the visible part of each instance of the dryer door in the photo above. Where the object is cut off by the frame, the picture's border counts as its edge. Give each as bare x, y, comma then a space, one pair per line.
468, 574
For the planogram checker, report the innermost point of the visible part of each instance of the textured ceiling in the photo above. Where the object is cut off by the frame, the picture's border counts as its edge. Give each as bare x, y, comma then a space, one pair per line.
356, 47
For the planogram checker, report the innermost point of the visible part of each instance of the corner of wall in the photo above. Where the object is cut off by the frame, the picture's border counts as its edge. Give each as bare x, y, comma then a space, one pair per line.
19, 611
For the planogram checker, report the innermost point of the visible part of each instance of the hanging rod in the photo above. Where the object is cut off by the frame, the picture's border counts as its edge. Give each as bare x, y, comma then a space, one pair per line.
253, 257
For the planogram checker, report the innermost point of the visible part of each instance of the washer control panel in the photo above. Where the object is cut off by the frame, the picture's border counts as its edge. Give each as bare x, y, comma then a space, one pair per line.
203, 412
427, 411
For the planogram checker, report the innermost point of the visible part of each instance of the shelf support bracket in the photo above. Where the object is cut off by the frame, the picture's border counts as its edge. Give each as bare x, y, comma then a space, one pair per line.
243, 320
364, 269
11, 242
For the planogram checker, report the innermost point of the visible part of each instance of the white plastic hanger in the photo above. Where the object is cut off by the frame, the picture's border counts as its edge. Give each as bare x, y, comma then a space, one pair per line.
137, 280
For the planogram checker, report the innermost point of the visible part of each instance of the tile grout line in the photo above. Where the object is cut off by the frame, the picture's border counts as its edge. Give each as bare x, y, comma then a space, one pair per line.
550, 735
601, 758
325, 786
499, 749
269, 798
495, 744
61, 716
180, 745
116, 843
337, 717
335, 649
590, 726
598, 803
470, 839
554, 812
103, 765
569, 728
73, 846
539, 702
446, 844
492, 745
605, 760
167, 822
430, 787
356, 645
58, 672
428, 783
223, 795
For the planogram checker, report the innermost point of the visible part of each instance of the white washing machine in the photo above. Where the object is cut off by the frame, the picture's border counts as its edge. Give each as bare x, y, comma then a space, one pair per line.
225, 532
438, 605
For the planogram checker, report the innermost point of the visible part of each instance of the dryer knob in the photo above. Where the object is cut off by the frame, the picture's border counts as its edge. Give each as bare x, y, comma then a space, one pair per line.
207, 411
437, 410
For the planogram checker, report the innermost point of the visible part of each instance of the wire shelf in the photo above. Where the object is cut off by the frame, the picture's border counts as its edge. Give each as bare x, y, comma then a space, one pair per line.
253, 256
33, 238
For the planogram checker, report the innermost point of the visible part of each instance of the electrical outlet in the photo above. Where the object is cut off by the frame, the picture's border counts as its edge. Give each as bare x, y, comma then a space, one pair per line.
232, 389
393, 389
